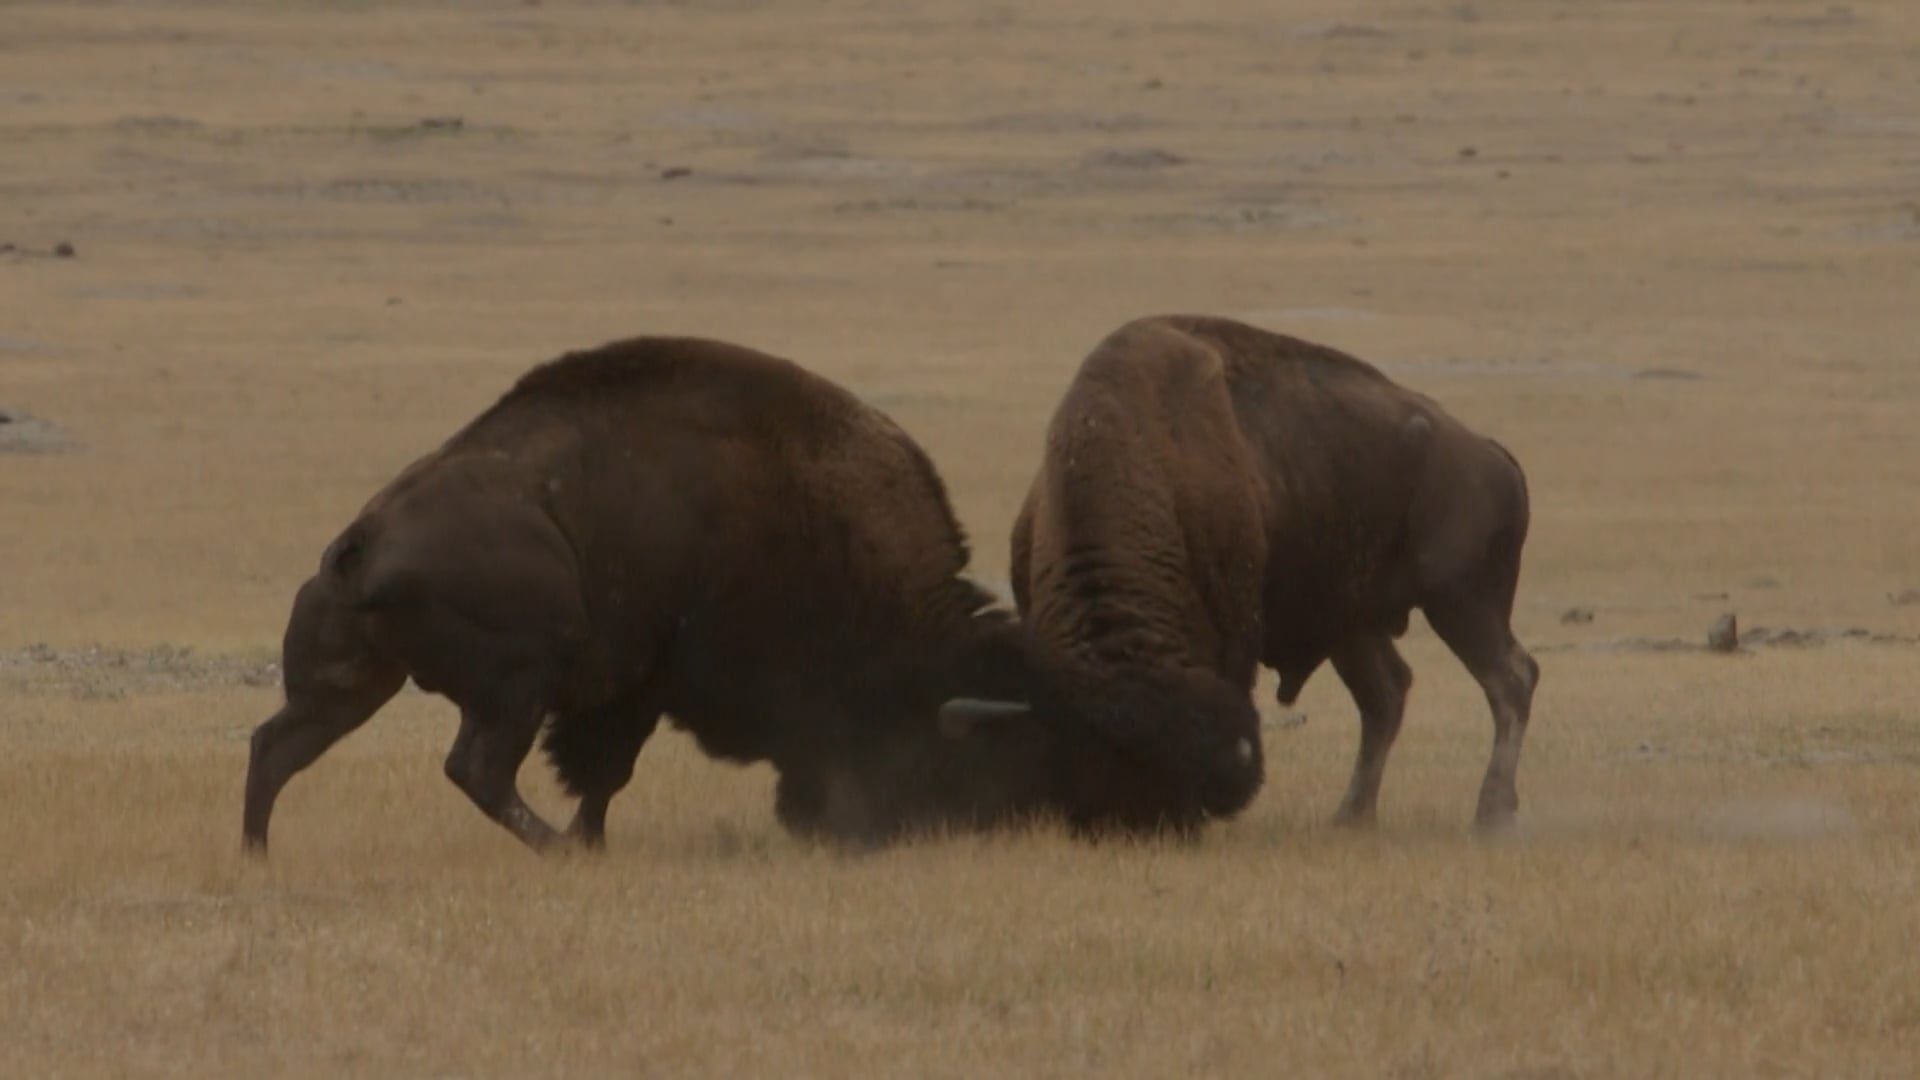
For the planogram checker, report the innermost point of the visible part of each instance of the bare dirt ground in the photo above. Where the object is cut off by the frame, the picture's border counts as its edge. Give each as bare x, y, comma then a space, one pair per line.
1667, 252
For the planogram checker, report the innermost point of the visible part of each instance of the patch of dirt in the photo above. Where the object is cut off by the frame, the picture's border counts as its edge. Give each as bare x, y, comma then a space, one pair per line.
1784, 637
137, 290
714, 118
158, 123
23, 433
430, 125
1286, 720
1242, 218
1498, 366
1624, 644
1336, 30
1285, 315
1802, 637
1054, 123
1132, 158
62, 250
386, 189
96, 673
912, 205
1777, 819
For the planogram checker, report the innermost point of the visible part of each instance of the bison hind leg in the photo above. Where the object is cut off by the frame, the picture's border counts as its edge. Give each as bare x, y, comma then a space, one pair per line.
1479, 635
1468, 600
335, 681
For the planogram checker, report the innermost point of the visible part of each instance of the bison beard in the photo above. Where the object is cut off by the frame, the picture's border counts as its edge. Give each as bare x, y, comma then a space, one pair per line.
1121, 750
1151, 749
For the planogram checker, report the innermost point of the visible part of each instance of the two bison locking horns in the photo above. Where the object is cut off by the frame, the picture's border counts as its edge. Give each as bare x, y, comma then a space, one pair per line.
688, 528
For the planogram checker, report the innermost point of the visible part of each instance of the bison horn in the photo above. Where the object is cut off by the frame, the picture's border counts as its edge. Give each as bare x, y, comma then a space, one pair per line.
960, 716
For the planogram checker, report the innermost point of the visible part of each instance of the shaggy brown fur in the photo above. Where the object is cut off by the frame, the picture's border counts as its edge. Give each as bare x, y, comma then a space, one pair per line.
1215, 496
662, 525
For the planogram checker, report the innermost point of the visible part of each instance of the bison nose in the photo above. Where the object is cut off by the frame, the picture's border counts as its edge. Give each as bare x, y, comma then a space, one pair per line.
1245, 750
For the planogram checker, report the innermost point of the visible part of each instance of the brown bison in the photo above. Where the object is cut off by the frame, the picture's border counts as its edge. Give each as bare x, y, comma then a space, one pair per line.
662, 525
1215, 496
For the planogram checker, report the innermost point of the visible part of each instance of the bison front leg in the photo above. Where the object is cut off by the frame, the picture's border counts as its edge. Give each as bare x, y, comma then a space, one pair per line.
1378, 679
589, 827
595, 757
827, 801
485, 763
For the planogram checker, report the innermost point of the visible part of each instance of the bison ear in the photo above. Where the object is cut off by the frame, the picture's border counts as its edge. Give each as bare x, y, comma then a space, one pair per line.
960, 716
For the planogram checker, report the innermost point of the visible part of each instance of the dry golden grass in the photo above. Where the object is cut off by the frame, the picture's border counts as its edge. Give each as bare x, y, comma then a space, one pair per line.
284, 291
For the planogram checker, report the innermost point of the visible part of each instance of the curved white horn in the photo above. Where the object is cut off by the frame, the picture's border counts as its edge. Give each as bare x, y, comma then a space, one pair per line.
959, 716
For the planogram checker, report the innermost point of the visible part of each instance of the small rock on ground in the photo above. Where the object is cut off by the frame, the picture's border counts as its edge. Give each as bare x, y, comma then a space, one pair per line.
23, 433
1724, 634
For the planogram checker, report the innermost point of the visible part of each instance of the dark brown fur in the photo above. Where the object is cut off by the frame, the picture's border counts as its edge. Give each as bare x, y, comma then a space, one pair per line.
1215, 497
662, 526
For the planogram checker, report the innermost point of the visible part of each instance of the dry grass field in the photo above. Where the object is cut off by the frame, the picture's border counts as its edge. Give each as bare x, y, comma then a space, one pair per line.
1667, 252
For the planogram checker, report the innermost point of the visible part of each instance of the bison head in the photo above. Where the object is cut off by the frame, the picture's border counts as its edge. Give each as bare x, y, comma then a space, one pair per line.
1142, 751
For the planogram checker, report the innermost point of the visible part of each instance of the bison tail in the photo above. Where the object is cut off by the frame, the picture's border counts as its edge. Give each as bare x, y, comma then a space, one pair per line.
347, 552
346, 568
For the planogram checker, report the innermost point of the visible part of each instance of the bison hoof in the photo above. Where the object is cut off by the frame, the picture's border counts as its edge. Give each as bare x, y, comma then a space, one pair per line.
1348, 817
1494, 822
584, 843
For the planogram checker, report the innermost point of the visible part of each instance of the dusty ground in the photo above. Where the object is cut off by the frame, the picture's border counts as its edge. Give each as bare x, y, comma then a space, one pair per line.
1666, 251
